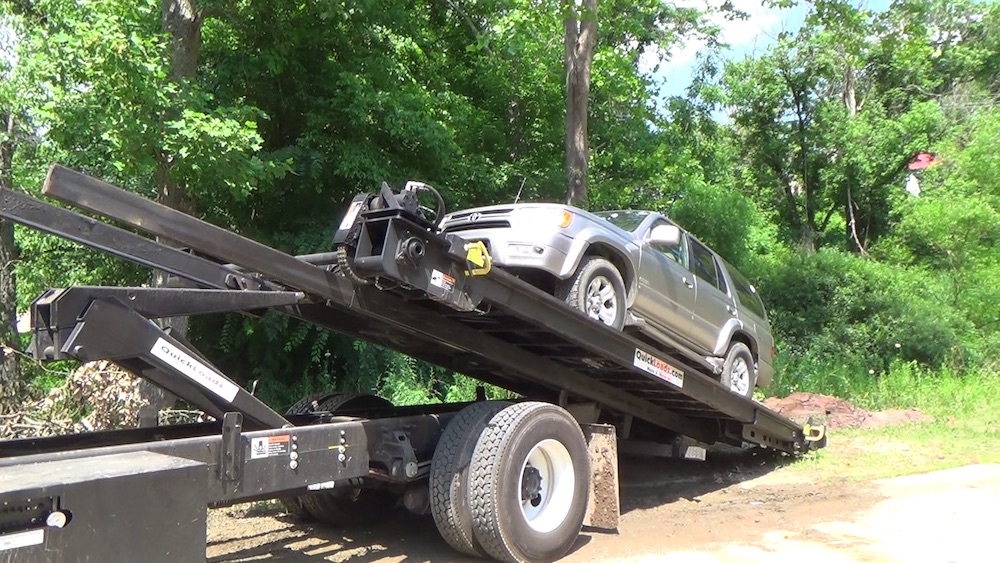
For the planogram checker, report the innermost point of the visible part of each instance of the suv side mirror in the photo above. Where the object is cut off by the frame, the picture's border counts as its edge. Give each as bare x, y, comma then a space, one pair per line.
669, 235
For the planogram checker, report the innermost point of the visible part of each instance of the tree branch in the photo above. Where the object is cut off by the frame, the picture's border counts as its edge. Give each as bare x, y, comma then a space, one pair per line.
588, 26
468, 22
853, 224
829, 215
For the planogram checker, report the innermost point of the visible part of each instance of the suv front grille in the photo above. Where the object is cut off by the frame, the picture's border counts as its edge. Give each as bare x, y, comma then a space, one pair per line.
452, 227
498, 218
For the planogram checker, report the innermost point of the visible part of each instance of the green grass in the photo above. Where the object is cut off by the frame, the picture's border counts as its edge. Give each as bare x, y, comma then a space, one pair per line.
964, 430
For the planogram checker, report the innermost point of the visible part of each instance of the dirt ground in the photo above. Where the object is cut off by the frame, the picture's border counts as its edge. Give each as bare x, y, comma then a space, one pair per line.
837, 413
736, 507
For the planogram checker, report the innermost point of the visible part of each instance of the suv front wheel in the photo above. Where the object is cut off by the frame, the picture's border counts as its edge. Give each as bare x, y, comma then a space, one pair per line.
739, 371
597, 290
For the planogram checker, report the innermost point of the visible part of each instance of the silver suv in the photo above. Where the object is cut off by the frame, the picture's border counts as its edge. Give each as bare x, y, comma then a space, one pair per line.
638, 271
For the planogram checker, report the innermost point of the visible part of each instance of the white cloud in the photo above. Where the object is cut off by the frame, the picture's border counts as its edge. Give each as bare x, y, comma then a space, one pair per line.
739, 34
743, 36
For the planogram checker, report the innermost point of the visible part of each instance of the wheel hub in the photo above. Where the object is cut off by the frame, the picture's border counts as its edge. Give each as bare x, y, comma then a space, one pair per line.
531, 486
739, 379
547, 483
601, 300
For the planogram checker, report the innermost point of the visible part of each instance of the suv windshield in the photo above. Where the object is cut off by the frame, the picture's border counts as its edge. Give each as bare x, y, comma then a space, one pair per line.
627, 220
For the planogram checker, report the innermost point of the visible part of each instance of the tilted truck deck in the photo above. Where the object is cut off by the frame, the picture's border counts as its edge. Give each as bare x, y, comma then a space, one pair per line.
510, 481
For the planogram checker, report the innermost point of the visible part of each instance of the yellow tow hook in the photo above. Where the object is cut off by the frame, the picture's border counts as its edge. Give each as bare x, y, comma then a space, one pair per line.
814, 432
477, 258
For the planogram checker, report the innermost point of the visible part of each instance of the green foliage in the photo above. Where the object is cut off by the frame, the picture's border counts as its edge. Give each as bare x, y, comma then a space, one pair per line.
840, 319
726, 220
831, 116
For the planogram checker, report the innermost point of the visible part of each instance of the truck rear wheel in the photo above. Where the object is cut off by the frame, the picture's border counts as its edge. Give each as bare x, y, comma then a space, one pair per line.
449, 478
529, 483
341, 507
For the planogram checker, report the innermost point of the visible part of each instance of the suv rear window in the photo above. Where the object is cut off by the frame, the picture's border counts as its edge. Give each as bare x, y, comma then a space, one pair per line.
747, 294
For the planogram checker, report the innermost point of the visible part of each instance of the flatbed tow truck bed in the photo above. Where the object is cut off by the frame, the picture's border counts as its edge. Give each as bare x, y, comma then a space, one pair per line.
393, 280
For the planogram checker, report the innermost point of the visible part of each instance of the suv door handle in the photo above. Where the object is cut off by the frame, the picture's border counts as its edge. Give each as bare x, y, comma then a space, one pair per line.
688, 282
731, 309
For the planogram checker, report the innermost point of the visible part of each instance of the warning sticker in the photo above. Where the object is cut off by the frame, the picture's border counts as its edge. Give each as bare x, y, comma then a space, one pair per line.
442, 280
351, 215
195, 370
22, 539
651, 364
269, 446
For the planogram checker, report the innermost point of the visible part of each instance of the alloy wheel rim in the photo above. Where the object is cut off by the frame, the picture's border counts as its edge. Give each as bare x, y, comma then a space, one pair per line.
602, 300
739, 379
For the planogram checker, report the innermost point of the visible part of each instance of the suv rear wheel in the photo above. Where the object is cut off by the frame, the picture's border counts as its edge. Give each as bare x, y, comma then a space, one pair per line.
739, 372
596, 289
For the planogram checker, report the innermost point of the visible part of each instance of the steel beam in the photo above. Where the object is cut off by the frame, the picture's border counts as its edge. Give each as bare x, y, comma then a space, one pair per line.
103, 198
115, 241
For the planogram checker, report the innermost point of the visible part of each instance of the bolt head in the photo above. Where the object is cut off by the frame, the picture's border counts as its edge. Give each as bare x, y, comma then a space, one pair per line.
411, 470
56, 519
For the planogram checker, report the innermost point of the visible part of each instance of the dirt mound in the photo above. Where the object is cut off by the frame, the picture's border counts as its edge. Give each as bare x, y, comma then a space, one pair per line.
838, 413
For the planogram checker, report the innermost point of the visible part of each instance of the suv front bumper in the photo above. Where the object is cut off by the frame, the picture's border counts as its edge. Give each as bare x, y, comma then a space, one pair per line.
548, 255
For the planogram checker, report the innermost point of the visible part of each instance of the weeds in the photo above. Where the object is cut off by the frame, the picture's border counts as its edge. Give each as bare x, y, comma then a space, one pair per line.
964, 429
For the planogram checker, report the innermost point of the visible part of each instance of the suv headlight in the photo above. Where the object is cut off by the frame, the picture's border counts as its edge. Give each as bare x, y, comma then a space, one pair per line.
545, 217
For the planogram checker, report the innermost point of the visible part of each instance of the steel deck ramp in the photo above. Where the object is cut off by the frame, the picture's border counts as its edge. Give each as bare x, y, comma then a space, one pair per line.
493, 327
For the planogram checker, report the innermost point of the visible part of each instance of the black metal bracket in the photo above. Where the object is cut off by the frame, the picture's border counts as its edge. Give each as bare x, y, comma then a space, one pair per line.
110, 330
395, 247
231, 452
394, 450
56, 312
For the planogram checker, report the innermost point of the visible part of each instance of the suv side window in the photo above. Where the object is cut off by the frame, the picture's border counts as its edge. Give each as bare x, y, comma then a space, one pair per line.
703, 265
747, 294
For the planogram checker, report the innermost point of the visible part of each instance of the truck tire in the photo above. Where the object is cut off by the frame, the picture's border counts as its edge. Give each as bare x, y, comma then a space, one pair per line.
344, 507
597, 290
449, 478
306, 405
349, 507
529, 483
311, 403
739, 372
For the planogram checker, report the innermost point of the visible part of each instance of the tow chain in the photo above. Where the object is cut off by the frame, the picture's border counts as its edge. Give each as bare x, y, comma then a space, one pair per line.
344, 261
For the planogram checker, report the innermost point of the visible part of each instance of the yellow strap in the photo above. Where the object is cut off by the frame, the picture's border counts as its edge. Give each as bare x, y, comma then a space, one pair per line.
478, 259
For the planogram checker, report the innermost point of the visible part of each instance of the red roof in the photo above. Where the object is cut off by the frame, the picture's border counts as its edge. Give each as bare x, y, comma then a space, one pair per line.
922, 160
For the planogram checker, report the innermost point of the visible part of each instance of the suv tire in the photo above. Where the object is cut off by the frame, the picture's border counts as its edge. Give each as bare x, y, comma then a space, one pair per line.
597, 290
739, 372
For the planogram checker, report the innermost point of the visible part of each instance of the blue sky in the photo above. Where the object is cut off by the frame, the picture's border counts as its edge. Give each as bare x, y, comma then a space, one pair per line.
744, 37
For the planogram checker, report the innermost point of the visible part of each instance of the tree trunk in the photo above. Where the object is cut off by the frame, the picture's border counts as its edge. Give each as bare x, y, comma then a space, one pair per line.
851, 105
11, 384
849, 95
182, 21
580, 34
807, 235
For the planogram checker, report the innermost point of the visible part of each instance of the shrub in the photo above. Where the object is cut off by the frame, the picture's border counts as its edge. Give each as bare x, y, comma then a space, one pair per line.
838, 317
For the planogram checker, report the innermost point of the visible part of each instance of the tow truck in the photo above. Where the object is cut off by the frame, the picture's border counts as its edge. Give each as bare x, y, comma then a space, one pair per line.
509, 480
